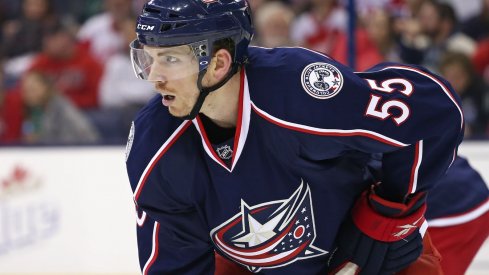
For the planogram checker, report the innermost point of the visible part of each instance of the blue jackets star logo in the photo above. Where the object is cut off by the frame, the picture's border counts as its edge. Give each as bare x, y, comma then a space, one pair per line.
271, 234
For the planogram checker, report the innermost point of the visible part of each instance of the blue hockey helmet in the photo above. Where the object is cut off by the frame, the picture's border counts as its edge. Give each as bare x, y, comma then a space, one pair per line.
196, 23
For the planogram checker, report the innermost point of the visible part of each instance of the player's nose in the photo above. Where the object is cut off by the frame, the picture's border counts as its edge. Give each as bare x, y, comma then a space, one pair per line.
160, 85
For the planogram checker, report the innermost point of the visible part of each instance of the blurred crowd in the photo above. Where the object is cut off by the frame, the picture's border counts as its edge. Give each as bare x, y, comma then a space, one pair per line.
66, 77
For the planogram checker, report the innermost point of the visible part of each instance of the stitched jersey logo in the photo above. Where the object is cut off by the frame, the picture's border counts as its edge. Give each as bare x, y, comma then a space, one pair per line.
321, 80
270, 234
225, 152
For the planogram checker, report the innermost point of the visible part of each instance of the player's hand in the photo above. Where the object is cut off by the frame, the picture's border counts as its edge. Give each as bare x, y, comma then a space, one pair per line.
381, 237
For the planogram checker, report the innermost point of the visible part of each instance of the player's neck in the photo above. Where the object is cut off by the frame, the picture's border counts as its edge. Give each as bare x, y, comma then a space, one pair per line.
221, 106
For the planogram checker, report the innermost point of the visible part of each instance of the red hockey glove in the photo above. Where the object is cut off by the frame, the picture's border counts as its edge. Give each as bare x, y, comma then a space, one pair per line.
381, 237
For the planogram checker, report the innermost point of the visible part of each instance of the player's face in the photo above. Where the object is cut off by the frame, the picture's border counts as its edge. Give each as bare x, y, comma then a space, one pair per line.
179, 95
174, 71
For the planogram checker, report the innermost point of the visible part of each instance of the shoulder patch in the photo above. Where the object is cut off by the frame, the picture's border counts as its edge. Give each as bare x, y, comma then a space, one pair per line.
130, 140
321, 80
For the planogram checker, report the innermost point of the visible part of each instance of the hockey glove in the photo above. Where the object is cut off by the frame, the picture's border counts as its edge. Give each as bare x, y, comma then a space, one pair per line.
381, 237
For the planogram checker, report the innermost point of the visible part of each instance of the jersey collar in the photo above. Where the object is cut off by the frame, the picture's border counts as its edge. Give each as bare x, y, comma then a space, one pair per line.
242, 127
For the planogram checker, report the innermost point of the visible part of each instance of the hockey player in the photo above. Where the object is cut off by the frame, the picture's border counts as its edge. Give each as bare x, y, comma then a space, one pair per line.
261, 154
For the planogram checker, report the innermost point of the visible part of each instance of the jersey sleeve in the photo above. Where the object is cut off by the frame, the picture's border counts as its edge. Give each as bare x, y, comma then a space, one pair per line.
421, 114
169, 245
408, 114
411, 116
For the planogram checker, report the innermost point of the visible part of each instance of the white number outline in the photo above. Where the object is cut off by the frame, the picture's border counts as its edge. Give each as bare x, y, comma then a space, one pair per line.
383, 112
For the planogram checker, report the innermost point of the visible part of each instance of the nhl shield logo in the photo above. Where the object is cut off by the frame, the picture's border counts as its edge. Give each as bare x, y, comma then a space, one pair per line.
322, 80
271, 234
225, 152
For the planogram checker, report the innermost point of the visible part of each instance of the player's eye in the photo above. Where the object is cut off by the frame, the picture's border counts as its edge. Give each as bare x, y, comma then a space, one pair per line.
170, 59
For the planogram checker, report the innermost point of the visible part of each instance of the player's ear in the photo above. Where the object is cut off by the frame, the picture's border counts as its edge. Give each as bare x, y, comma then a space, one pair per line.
220, 65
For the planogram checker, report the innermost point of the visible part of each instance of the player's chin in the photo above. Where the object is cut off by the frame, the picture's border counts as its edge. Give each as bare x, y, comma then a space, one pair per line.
178, 112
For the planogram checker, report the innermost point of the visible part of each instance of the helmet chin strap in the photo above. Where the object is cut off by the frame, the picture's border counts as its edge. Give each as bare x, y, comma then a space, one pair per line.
205, 91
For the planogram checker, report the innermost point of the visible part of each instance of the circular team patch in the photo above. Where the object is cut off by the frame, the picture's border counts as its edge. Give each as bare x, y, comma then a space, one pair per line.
321, 80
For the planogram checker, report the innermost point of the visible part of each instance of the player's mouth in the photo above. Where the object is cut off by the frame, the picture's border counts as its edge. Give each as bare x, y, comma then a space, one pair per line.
167, 100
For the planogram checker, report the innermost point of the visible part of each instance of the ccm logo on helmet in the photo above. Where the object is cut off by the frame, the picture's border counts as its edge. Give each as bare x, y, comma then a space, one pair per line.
145, 27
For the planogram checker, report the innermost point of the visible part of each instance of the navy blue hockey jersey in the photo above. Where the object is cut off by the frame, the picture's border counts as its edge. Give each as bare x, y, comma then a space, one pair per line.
460, 196
273, 197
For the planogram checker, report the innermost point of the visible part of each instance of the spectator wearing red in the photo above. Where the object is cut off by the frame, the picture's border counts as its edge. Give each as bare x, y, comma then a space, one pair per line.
102, 33
35, 113
11, 117
75, 72
2, 100
272, 25
481, 59
366, 52
379, 25
318, 28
